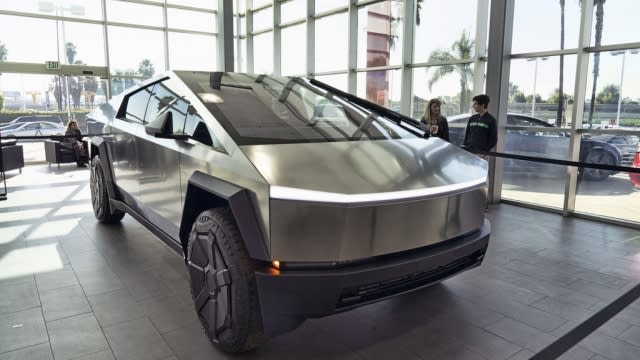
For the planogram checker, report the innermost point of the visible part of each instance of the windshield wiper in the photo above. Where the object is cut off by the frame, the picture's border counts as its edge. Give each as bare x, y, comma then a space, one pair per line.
381, 110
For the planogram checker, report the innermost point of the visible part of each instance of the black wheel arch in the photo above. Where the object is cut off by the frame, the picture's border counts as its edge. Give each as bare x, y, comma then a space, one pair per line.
204, 192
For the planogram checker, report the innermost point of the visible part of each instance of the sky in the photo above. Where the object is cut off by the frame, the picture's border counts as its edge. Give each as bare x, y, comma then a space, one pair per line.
536, 25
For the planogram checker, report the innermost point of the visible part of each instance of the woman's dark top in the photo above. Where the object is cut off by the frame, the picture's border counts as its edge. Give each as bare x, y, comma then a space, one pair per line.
441, 123
77, 136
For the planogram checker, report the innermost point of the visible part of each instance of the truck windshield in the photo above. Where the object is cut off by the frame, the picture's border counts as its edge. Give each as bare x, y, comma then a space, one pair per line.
261, 109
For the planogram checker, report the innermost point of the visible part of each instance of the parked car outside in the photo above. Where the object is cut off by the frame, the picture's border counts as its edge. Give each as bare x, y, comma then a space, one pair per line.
606, 149
635, 177
39, 128
287, 198
34, 118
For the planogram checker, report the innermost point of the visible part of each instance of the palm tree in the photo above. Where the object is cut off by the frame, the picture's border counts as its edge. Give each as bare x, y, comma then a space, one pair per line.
599, 4
461, 49
418, 8
3, 57
71, 51
3, 52
145, 68
559, 112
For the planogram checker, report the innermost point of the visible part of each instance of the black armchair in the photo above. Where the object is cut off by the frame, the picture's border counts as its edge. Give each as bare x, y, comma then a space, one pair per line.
12, 156
59, 153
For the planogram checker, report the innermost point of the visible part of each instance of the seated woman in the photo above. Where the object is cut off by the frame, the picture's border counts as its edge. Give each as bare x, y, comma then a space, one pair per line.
75, 142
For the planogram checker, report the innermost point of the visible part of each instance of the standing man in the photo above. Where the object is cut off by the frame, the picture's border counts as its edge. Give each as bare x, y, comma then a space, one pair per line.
482, 130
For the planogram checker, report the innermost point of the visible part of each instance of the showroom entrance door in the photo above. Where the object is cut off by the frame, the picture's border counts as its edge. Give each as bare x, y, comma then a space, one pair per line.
51, 96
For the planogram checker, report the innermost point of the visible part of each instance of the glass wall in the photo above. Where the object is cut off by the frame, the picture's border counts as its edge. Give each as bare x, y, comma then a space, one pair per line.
452, 84
330, 43
73, 32
294, 61
441, 33
50, 101
443, 36
396, 53
612, 133
263, 53
604, 120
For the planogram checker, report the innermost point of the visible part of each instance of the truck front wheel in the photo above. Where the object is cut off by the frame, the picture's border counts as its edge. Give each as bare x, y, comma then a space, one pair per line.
223, 285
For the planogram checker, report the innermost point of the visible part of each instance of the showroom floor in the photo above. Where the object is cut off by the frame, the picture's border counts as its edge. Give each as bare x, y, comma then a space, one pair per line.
71, 288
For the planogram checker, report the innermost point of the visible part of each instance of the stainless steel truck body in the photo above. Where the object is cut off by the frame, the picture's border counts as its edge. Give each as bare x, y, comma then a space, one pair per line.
288, 199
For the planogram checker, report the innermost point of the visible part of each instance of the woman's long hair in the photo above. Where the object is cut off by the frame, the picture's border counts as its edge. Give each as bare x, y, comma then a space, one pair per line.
427, 112
69, 126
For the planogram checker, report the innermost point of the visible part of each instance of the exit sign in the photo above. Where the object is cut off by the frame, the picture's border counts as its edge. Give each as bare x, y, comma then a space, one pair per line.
52, 65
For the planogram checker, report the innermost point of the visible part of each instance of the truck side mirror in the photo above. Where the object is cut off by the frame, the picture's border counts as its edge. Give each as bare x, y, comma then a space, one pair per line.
162, 126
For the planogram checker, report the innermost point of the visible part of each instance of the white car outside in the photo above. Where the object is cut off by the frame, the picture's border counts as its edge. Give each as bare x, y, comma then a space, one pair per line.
38, 128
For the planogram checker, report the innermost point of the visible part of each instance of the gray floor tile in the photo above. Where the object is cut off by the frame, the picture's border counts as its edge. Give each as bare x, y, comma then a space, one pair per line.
611, 347
22, 329
521, 334
386, 348
76, 336
102, 355
614, 327
502, 289
563, 309
76, 246
523, 354
594, 289
64, 302
87, 260
607, 280
17, 297
538, 280
99, 280
630, 315
577, 352
557, 291
12, 280
191, 343
37, 352
170, 313
136, 340
631, 335
115, 307
311, 342
56, 279
146, 285
487, 344
525, 314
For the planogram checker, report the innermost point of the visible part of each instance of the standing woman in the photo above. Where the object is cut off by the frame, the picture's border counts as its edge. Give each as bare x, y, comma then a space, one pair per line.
434, 121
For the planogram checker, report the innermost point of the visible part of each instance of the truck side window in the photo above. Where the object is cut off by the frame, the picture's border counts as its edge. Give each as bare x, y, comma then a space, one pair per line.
163, 100
198, 130
137, 104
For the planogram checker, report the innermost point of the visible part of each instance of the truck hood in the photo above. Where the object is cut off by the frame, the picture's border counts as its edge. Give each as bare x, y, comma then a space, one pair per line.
363, 171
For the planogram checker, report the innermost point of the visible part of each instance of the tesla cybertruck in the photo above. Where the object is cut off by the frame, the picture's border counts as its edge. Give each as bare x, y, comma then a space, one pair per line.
289, 199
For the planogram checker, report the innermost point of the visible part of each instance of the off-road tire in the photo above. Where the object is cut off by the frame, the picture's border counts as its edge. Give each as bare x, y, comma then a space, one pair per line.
601, 157
223, 285
100, 197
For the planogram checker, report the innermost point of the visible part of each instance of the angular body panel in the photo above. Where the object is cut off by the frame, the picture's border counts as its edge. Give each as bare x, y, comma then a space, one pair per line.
278, 188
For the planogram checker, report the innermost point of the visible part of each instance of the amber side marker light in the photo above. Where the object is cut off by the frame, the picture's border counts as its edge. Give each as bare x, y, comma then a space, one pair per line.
276, 264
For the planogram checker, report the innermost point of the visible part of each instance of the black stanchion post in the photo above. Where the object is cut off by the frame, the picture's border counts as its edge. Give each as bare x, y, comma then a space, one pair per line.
3, 195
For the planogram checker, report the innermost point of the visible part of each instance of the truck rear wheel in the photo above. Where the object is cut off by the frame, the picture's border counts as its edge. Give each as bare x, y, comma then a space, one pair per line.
223, 285
100, 196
